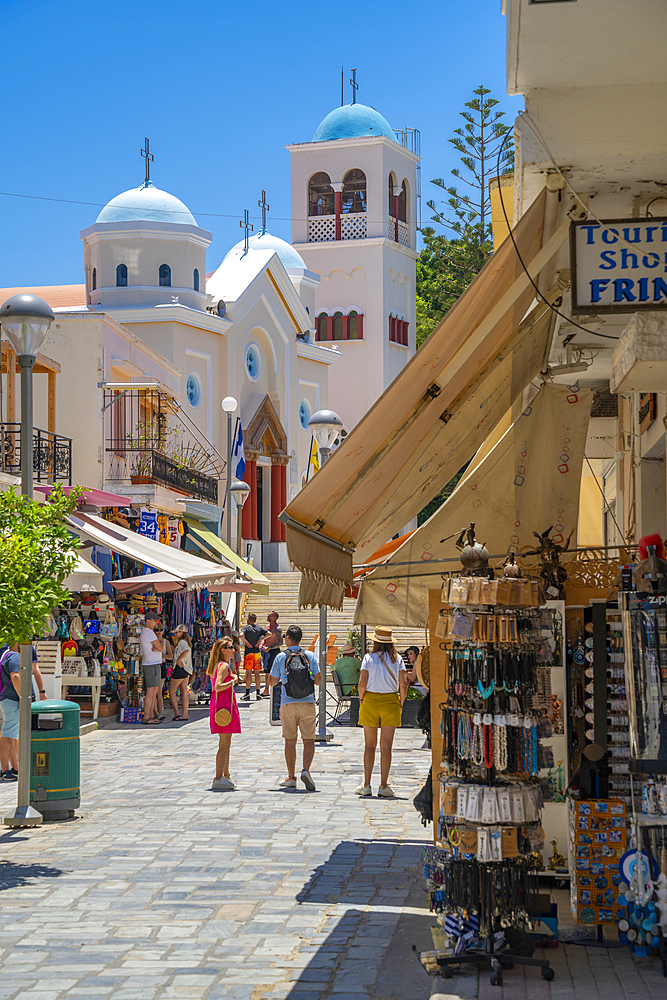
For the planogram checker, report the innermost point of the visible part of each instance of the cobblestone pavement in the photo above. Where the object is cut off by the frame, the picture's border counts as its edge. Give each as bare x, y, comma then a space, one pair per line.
162, 888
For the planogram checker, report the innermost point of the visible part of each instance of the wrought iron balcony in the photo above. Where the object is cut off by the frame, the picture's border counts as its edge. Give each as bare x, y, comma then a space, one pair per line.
51, 454
184, 480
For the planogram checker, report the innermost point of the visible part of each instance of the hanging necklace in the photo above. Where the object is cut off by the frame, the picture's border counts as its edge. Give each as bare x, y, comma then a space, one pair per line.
464, 736
488, 741
486, 692
477, 753
500, 742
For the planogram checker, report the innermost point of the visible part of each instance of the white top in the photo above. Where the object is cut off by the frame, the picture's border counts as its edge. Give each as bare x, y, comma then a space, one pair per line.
379, 677
186, 662
149, 655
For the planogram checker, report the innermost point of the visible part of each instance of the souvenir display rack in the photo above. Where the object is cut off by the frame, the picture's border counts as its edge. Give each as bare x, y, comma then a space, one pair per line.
490, 692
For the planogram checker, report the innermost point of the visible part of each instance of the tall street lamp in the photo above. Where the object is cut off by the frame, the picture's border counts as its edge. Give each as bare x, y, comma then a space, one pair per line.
326, 426
25, 320
239, 491
229, 405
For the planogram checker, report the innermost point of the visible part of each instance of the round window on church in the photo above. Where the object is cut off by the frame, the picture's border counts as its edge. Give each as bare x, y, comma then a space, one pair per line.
304, 413
193, 390
253, 361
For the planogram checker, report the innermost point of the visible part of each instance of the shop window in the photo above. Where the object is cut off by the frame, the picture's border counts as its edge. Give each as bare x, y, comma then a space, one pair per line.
165, 275
320, 195
121, 276
195, 280
354, 192
322, 327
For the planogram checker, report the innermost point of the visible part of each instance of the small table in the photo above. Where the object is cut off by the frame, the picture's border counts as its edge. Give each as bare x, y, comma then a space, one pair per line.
94, 683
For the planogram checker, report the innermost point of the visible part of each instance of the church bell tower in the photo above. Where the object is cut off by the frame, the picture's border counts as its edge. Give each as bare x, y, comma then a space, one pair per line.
354, 222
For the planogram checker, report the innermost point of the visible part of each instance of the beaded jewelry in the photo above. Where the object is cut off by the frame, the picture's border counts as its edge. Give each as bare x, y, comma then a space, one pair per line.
477, 752
500, 742
487, 722
464, 737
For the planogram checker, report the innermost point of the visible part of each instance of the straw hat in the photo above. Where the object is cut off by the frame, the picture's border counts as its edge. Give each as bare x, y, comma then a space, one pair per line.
347, 650
180, 628
382, 634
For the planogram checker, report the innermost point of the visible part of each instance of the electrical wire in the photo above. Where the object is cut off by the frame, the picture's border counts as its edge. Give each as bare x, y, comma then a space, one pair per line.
568, 319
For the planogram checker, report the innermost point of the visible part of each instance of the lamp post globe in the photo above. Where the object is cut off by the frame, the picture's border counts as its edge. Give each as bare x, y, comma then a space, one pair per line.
239, 491
229, 404
325, 426
25, 321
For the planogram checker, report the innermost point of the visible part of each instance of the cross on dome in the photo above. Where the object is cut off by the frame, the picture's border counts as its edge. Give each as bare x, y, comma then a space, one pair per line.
264, 207
248, 226
148, 156
355, 86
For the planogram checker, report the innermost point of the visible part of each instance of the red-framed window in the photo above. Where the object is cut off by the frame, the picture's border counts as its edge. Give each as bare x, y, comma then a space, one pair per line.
398, 331
340, 326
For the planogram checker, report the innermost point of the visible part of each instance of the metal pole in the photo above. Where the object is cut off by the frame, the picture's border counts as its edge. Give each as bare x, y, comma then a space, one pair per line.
323, 735
239, 523
228, 499
24, 814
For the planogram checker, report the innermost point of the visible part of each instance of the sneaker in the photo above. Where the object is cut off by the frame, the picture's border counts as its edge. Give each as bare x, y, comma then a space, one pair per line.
308, 781
223, 785
364, 790
246, 696
9, 775
259, 697
288, 783
386, 792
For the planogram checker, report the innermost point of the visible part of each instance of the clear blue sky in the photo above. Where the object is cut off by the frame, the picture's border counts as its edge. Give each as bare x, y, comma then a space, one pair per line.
220, 88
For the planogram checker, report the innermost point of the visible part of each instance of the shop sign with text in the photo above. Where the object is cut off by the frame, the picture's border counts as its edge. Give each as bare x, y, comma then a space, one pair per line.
619, 266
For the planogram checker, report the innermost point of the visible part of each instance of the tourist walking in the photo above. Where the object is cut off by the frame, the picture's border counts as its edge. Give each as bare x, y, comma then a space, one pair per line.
225, 718
10, 688
382, 690
181, 673
151, 664
253, 635
298, 672
270, 647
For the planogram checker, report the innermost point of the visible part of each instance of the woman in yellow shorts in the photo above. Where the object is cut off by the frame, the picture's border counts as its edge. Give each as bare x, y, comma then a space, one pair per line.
382, 689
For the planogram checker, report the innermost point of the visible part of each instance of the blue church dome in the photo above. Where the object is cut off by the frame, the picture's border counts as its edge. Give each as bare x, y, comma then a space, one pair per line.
265, 241
353, 121
147, 204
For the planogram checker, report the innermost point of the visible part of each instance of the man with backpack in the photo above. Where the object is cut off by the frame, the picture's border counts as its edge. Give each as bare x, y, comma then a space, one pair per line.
298, 671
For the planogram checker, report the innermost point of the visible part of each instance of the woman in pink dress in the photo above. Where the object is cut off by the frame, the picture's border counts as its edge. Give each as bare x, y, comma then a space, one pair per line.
225, 718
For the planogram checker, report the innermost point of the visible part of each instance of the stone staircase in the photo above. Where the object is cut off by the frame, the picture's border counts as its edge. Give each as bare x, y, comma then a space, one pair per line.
284, 598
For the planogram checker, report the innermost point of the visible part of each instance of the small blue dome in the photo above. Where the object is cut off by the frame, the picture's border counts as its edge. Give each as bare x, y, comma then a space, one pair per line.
147, 204
265, 241
351, 122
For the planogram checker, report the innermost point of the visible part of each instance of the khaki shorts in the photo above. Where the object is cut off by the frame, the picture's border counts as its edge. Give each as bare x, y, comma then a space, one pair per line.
300, 716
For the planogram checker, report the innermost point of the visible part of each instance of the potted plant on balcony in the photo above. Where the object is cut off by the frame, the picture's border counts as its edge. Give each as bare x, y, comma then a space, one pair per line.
141, 468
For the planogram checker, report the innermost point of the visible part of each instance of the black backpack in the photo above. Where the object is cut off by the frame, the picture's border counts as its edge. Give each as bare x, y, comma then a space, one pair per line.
299, 684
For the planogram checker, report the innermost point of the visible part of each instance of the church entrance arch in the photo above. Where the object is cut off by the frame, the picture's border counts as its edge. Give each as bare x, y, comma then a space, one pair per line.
265, 442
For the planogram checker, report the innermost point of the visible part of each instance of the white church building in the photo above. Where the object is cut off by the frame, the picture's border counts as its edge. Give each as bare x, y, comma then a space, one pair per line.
285, 329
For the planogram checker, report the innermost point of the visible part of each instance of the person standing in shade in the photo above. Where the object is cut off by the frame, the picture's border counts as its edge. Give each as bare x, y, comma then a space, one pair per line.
151, 663
298, 671
181, 673
10, 688
270, 647
382, 689
253, 635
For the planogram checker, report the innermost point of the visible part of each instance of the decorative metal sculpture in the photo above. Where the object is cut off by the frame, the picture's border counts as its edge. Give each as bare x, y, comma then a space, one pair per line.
552, 574
556, 861
474, 555
557, 716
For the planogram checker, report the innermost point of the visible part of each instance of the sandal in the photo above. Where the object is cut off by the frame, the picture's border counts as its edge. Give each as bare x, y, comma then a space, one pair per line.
177, 718
151, 722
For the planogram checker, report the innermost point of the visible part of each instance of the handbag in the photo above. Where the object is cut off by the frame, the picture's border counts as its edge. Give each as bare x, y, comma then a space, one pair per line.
423, 801
110, 628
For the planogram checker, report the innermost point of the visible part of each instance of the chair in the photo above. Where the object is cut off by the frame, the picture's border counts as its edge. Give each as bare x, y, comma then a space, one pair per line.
342, 700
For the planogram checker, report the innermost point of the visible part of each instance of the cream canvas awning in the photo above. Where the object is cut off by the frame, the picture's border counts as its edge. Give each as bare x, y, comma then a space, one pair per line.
85, 573
195, 572
429, 422
528, 481
219, 550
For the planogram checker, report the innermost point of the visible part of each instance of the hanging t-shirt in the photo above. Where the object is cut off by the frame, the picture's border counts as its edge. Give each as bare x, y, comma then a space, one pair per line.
148, 524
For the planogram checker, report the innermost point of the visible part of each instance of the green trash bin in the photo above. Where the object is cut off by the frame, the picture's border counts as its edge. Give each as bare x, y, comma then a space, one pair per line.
55, 758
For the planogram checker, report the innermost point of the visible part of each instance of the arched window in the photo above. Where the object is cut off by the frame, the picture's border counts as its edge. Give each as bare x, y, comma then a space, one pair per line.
353, 325
338, 326
322, 326
403, 203
354, 192
165, 275
94, 279
391, 185
195, 280
121, 276
320, 195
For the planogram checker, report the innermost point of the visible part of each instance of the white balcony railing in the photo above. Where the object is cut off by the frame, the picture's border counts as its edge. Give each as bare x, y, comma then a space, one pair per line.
403, 232
322, 228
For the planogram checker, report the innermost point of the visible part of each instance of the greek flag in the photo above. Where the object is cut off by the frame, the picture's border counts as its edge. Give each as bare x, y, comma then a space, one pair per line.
239, 454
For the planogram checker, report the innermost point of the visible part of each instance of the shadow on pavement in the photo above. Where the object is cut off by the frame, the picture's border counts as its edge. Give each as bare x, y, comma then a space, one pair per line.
12, 876
364, 949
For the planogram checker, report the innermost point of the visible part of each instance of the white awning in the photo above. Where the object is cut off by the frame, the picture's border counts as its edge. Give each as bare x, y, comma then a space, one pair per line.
528, 481
429, 422
195, 572
85, 573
